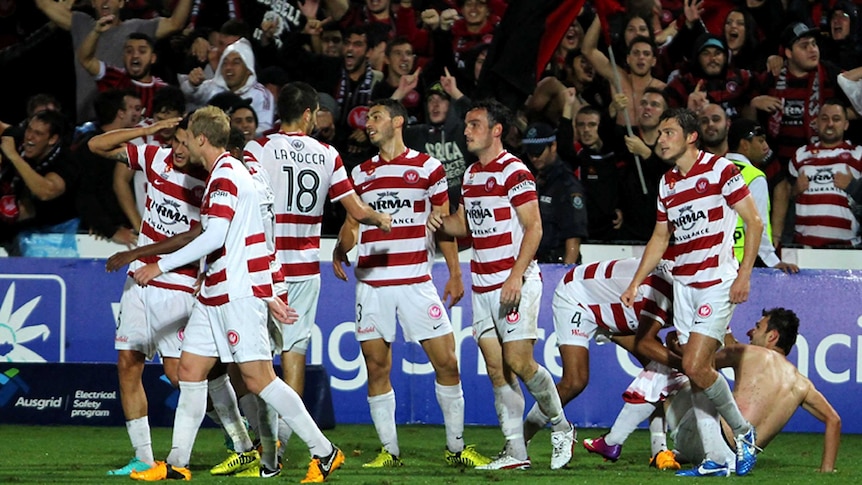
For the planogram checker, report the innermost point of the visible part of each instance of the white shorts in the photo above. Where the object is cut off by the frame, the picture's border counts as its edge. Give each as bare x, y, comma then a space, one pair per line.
152, 319
418, 308
521, 324
302, 296
705, 311
654, 384
234, 332
573, 323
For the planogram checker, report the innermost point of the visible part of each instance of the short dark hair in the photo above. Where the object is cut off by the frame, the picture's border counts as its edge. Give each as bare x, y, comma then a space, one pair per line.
142, 36
169, 98
399, 40
236, 139
686, 118
237, 27
294, 98
393, 107
42, 99
496, 112
643, 40
55, 120
786, 323
108, 103
589, 110
660, 92
836, 102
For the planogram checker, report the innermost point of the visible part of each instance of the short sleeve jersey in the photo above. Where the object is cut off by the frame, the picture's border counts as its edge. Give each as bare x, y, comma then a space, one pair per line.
491, 193
406, 188
699, 208
303, 173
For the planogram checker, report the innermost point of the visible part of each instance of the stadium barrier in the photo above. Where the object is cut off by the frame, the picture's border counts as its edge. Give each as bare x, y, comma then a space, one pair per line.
63, 311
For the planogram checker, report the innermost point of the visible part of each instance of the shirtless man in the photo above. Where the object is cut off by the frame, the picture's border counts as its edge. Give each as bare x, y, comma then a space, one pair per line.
768, 390
641, 58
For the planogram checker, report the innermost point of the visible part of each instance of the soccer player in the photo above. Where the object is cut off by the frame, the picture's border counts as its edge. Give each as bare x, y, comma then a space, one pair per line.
152, 318
393, 275
500, 209
768, 389
303, 173
698, 204
229, 320
587, 307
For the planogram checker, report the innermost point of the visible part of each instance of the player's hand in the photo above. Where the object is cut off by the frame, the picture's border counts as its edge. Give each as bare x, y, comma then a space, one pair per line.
448, 18
196, 76
430, 18
454, 289
787, 267
385, 222
692, 9
435, 221
629, 296
620, 102
282, 312
636, 146
338, 257
774, 63
103, 24
618, 219
147, 273
697, 100
125, 236
740, 289
118, 260
770, 104
801, 183
842, 179
200, 49
510, 293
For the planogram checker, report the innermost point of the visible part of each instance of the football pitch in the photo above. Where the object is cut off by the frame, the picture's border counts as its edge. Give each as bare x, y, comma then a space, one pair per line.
82, 455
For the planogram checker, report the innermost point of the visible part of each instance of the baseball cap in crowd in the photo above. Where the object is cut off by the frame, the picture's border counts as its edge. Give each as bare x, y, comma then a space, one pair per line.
537, 137
437, 89
328, 103
743, 129
709, 40
796, 31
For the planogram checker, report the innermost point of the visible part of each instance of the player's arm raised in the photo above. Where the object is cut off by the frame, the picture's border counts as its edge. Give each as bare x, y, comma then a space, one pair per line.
112, 144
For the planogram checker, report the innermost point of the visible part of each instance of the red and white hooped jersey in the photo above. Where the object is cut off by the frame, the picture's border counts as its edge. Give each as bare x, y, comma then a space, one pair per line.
823, 213
490, 195
303, 172
698, 206
172, 206
241, 267
598, 286
406, 188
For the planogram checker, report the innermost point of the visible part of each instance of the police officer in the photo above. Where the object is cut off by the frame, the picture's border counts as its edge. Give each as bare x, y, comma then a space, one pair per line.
561, 198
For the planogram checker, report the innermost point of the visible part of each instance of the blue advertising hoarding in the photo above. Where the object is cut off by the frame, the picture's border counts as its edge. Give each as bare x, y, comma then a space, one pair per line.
64, 311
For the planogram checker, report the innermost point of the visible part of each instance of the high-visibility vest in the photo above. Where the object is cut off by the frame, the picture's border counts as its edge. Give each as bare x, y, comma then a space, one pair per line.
749, 172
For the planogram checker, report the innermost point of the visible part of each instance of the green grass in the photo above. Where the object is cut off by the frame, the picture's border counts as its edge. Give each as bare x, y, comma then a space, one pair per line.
57, 454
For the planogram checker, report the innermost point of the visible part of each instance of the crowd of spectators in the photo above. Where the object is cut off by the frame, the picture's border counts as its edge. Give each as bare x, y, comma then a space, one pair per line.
586, 81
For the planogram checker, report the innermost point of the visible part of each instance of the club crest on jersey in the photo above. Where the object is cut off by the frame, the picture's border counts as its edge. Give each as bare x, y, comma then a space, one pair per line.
844, 156
232, 337
435, 312
688, 217
389, 203
732, 86
704, 311
513, 317
490, 184
411, 177
701, 185
477, 213
297, 144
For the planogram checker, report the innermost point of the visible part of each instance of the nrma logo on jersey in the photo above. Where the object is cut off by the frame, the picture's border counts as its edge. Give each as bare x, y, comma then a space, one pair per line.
11, 385
32, 318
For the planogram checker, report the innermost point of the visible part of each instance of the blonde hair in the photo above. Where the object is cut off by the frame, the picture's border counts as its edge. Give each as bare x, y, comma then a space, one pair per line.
213, 123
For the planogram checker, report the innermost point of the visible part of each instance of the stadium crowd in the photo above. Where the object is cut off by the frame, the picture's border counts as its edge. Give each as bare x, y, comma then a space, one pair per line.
517, 128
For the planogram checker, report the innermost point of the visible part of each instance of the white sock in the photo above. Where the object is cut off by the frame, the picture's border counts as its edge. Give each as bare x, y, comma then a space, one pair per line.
224, 402
542, 387
289, 406
708, 427
190, 412
451, 400
720, 395
267, 433
383, 415
509, 403
142, 442
250, 408
627, 421
535, 421
284, 431
657, 431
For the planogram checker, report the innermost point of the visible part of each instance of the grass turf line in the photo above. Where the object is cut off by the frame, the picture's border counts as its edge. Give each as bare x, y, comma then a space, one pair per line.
82, 455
